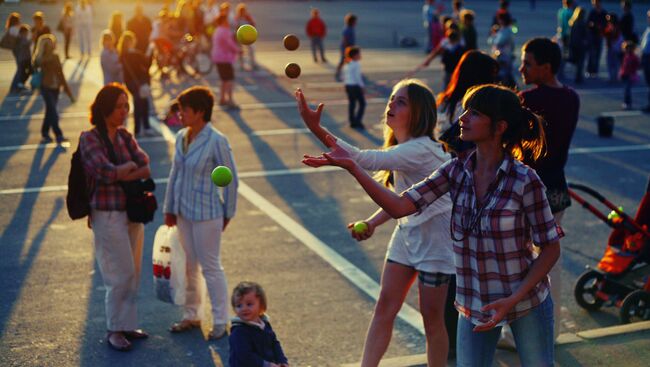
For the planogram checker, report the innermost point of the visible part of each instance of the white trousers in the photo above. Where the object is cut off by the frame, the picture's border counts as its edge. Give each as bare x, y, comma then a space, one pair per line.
118, 250
201, 241
84, 35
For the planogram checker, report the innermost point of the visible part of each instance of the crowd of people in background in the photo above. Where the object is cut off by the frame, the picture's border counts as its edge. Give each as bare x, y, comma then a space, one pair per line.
477, 127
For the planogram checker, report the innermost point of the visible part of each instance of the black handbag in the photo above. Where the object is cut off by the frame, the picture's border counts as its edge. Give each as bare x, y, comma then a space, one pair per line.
141, 203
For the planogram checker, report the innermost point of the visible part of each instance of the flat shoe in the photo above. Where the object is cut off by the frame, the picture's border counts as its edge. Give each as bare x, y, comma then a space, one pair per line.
117, 341
185, 325
135, 334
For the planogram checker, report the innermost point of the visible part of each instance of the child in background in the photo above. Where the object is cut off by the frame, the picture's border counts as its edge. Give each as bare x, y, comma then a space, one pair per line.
628, 72
252, 340
353, 81
22, 53
316, 31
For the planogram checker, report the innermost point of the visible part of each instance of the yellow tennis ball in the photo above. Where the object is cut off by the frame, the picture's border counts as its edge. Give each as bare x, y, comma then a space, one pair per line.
360, 227
221, 176
246, 34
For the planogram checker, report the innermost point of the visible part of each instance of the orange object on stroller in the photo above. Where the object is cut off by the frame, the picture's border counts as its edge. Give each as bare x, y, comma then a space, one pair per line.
622, 278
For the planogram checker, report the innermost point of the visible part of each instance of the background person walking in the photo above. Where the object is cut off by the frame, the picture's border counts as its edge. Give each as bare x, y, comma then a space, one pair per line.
47, 61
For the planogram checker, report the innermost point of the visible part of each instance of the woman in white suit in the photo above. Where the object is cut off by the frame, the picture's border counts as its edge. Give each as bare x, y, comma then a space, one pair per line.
199, 208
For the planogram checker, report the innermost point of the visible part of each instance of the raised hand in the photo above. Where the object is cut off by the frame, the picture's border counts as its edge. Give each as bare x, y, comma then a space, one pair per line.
309, 116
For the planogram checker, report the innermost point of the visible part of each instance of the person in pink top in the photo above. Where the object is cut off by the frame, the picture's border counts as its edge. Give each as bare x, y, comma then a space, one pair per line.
316, 31
628, 71
224, 54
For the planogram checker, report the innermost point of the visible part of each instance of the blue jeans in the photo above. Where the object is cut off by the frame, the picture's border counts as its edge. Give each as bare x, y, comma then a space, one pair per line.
533, 336
51, 120
317, 45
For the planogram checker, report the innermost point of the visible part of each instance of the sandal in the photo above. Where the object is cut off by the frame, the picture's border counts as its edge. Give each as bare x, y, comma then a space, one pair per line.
184, 325
135, 334
118, 341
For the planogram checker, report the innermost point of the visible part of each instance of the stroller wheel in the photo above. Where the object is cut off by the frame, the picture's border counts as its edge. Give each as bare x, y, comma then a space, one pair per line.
585, 290
636, 307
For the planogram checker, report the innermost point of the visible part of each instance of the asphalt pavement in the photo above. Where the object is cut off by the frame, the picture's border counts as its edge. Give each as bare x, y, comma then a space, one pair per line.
289, 232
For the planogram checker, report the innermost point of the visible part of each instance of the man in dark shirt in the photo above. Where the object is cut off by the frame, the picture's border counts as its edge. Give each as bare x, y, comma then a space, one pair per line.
140, 25
559, 105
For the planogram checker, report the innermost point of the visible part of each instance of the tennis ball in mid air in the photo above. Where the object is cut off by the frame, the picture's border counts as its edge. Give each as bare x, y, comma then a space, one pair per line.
292, 70
246, 34
221, 176
291, 42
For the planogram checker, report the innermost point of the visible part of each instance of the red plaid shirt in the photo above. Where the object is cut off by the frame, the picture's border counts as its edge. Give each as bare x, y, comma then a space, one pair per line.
107, 194
493, 239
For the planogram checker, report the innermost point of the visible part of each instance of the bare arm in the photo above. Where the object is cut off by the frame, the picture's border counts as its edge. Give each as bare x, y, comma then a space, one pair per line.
395, 205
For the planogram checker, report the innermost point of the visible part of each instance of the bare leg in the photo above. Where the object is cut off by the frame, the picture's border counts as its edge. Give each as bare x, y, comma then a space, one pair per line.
396, 280
432, 308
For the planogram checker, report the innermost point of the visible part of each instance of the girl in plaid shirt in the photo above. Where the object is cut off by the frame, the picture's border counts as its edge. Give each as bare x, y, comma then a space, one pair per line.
118, 241
420, 247
499, 210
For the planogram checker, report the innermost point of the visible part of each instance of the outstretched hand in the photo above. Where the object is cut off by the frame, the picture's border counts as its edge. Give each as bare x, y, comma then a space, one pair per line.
501, 307
337, 156
309, 116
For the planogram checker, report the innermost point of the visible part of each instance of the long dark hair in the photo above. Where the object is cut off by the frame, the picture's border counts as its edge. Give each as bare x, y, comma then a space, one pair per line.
474, 68
524, 135
103, 105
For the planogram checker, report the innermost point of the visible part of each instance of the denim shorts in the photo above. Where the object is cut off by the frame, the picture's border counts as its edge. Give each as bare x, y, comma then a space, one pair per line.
533, 337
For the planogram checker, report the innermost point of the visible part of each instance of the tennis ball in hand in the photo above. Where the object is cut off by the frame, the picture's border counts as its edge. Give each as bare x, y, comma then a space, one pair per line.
246, 34
360, 227
292, 70
291, 42
221, 176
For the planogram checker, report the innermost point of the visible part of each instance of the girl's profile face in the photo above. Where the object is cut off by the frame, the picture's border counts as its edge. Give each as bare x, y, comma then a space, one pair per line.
475, 126
247, 307
120, 112
398, 110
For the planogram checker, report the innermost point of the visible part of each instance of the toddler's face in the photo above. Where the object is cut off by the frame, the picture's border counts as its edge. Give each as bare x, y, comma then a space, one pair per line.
247, 307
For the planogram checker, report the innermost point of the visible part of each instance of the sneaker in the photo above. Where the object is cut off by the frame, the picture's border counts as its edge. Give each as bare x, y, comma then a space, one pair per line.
46, 140
626, 107
62, 139
218, 331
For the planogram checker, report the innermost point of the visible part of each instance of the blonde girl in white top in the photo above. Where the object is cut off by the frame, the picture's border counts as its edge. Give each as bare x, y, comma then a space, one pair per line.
420, 245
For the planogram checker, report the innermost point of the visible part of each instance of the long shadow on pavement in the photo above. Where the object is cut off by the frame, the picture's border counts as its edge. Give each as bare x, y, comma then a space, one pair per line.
16, 264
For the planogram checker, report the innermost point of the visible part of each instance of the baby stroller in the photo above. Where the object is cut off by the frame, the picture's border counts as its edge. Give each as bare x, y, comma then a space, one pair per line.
622, 276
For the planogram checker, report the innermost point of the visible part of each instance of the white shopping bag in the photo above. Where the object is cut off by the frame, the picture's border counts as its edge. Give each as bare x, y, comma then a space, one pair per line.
169, 276
168, 266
